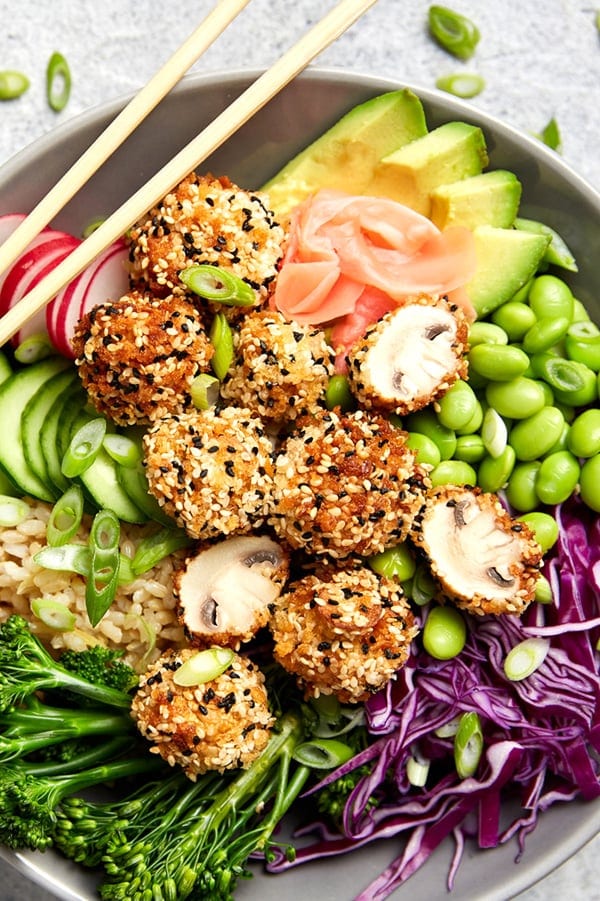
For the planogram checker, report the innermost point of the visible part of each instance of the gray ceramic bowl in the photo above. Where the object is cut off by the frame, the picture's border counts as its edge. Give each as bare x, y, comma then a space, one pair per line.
552, 193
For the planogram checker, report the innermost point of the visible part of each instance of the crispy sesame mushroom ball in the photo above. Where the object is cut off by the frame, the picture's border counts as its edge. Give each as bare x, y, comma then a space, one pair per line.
342, 630
484, 561
138, 356
218, 725
281, 368
345, 484
210, 221
409, 357
211, 470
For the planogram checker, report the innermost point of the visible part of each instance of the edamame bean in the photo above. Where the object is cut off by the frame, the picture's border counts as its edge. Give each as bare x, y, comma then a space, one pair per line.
561, 444
486, 333
544, 333
426, 450
584, 350
587, 390
469, 448
517, 399
12, 84
584, 435
520, 490
494, 472
474, 423
427, 423
589, 483
338, 394
444, 633
453, 472
515, 318
457, 406
557, 478
551, 296
533, 436
543, 590
544, 527
396, 563
498, 362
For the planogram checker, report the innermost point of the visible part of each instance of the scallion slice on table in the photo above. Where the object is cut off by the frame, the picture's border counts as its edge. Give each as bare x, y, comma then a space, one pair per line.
58, 82
455, 33
461, 84
217, 284
12, 84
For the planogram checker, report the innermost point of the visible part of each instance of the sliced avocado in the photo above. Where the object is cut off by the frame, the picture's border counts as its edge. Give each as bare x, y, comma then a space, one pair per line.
491, 198
447, 154
345, 156
506, 259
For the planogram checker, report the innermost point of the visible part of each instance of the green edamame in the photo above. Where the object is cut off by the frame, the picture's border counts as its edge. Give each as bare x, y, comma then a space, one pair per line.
517, 399
426, 450
474, 423
589, 483
515, 318
494, 472
544, 527
395, 562
584, 350
444, 633
520, 490
458, 405
486, 333
545, 333
557, 477
453, 472
338, 394
498, 362
584, 435
427, 423
470, 448
543, 590
551, 297
535, 435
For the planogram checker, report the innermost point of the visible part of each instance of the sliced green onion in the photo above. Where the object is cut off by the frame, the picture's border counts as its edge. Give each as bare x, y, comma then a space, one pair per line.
104, 565
12, 84
53, 614
123, 449
338, 394
455, 33
13, 510
449, 729
217, 284
204, 391
34, 348
347, 718
65, 517
126, 573
151, 550
72, 558
324, 754
550, 135
83, 447
561, 374
417, 771
494, 433
543, 590
584, 328
92, 226
58, 82
468, 745
221, 338
461, 84
423, 587
203, 666
525, 658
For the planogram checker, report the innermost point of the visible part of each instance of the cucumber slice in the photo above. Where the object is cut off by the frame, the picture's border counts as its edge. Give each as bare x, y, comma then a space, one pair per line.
72, 399
32, 421
134, 482
102, 484
15, 393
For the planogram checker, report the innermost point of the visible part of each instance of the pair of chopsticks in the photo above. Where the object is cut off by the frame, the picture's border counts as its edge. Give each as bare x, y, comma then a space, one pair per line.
335, 23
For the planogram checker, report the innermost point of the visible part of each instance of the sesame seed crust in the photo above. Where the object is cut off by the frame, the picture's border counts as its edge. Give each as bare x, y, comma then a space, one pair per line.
211, 470
281, 368
210, 221
485, 561
345, 484
342, 630
218, 725
138, 356
381, 346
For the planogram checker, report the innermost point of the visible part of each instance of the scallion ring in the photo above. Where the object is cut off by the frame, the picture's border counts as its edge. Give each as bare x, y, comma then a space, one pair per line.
72, 558
323, 754
154, 548
92, 226
417, 770
122, 449
221, 338
525, 658
203, 666
453, 32
83, 447
34, 348
468, 745
58, 82
104, 565
461, 84
217, 284
54, 614
65, 517
13, 511
204, 391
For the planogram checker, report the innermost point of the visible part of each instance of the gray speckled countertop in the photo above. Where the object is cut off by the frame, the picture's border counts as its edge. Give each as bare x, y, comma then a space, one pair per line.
540, 60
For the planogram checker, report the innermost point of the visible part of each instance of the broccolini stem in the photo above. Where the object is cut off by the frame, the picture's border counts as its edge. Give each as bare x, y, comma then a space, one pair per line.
114, 747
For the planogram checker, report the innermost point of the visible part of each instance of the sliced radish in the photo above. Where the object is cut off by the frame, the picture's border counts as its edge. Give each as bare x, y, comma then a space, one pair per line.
37, 323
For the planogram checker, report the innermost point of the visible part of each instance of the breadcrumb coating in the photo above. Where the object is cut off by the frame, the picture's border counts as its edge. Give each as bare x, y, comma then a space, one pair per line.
211, 470
342, 630
345, 484
218, 725
211, 221
281, 368
485, 561
138, 356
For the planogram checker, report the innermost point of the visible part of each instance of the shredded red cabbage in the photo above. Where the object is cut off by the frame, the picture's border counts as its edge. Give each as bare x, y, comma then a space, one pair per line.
542, 734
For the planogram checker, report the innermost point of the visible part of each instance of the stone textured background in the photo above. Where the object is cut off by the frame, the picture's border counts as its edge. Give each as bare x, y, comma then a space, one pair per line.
540, 60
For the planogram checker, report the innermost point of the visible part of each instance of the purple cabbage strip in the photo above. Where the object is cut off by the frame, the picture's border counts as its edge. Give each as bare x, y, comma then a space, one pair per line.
542, 735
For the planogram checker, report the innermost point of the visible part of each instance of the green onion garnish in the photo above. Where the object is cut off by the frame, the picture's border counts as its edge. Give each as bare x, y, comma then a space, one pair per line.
453, 32
34, 348
151, 550
417, 771
468, 745
53, 614
461, 84
323, 754
104, 565
204, 391
550, 135
221, 338
83, 447
13, 511
217, 284
71, 558
65, 517
122, 449
203, 666
92, 226
58, 82
494, 433
525, 658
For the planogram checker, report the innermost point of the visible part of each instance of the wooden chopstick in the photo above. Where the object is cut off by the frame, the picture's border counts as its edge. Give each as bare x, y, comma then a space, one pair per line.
338, 20
120, 128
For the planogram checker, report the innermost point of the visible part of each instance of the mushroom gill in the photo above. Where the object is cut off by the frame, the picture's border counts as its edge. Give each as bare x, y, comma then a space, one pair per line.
224, 590
484, 560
